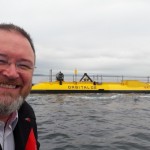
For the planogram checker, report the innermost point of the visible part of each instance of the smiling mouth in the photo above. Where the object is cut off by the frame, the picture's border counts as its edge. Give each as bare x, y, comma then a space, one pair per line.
9, 86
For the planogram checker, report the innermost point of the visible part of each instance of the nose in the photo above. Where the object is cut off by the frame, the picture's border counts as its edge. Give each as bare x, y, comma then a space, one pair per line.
11, 72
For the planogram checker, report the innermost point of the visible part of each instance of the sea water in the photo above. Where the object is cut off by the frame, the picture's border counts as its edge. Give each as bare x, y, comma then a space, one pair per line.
92, 121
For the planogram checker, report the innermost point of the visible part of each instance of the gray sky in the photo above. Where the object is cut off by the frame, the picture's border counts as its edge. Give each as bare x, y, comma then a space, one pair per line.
95, 36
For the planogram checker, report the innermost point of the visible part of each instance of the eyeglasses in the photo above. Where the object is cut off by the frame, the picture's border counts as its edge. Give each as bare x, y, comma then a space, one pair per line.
21, 66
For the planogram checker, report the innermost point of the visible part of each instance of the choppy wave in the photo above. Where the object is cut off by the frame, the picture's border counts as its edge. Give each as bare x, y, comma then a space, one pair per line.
93, 121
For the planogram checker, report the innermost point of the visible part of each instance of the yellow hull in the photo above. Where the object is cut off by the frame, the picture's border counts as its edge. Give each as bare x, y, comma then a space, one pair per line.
126, 86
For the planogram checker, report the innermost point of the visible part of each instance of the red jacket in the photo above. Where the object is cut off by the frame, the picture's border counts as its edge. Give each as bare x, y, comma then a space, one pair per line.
25, 132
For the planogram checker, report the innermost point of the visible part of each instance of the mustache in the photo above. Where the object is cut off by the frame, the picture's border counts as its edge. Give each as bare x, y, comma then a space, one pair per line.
6, 80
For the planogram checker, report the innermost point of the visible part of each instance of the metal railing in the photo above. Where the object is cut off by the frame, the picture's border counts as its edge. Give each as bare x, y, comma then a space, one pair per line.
95, 78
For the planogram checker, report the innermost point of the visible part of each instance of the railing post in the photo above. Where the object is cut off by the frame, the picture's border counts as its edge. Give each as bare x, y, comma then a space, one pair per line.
50, 75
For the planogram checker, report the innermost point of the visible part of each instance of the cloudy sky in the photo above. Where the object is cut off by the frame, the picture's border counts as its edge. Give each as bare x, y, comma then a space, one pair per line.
95, 36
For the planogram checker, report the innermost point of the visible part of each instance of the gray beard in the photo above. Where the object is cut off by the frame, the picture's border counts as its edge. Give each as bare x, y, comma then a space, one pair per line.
9, 104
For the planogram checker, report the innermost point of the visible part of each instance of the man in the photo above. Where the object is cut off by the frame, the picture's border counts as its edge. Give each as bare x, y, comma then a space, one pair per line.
18, 129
